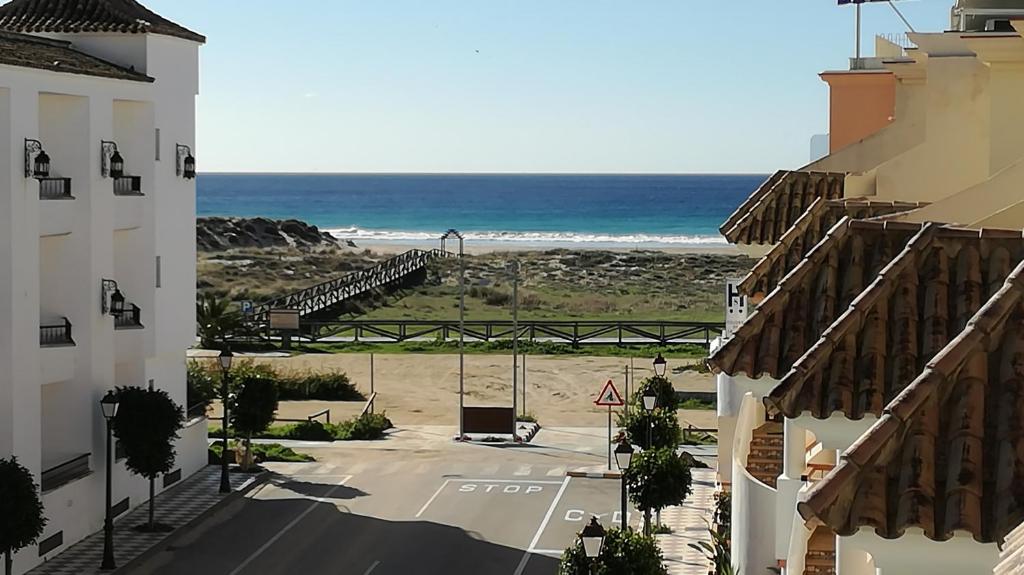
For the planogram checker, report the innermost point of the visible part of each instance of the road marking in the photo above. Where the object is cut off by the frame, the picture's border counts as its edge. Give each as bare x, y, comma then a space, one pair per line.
372, 567
294, 522
433, 497
554, 552
540, 530
523, 470
557, 472
520, 481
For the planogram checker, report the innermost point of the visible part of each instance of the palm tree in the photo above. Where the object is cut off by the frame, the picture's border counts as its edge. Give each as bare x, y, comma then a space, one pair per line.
216, 321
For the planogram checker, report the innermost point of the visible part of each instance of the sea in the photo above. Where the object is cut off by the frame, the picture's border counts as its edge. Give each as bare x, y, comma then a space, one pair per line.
574, 211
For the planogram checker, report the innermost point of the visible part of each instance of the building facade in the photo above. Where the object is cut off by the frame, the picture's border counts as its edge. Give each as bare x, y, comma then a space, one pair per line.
80, 82
870, 405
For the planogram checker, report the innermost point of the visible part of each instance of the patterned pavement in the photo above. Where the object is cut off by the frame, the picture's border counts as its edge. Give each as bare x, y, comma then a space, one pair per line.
688, 526
175, 507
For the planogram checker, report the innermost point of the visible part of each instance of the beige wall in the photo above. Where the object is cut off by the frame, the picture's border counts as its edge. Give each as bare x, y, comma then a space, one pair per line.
860, 104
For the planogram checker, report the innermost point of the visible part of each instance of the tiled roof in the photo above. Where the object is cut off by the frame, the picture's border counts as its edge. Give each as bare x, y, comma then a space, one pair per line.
56, 56
806, 232
915, 306
69, 16
811, 297
1012, 558
773, 208
946, 455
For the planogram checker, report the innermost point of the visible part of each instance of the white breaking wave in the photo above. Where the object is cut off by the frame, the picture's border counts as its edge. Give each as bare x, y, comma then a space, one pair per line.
538, 238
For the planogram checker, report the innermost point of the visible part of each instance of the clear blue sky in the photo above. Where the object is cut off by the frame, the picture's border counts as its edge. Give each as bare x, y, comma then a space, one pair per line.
663, 86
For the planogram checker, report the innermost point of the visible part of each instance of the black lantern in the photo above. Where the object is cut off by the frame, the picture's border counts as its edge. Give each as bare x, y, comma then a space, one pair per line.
116, 165
39, 166
111, 161
650, 399
624, 455
113, 299
660, 365
117, 303
109, 405
225, 359
592, 537
186, 162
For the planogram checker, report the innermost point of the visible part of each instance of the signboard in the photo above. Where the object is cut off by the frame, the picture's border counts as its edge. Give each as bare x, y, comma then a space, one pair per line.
284, 319
735, 307
609, 396
247, 307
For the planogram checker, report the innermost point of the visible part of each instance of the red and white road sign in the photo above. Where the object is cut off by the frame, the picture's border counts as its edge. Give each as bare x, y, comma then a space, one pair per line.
609, 396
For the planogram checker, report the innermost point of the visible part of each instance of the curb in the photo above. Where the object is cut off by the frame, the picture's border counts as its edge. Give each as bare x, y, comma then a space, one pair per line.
184, 529
533, 429
594, 474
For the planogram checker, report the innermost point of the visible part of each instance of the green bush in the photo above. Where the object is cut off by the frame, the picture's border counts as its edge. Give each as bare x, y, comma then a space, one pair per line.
665, 433
264, 452
667, 398
20, 507
307, 431
201, 386
330, 386
624, 553
658, 479
365, 427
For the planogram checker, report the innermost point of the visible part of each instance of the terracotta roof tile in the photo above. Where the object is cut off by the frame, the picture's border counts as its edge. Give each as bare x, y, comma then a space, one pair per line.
773, 208
811, 297
27, 51
947, 456
911, 310
806, 232
64, 16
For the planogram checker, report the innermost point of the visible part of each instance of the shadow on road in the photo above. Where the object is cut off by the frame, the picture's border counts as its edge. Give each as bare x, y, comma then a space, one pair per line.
288, 536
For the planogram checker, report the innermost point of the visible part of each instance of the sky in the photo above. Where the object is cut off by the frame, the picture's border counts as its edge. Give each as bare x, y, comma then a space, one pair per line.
537, 86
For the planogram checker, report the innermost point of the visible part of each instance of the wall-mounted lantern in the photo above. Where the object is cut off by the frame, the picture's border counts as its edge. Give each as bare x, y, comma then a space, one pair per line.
111, 162
186, 162
37, 162
112, 299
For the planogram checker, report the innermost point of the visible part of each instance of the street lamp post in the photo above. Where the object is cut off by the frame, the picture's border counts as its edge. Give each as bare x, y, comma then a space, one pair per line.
108, 405
592, 537
225, 365
623, 458
659, 365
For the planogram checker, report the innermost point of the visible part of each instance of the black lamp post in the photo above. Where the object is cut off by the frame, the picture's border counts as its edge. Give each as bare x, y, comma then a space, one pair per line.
660, 364
592, 537
108, 405
186, 162
623, 458
225, 365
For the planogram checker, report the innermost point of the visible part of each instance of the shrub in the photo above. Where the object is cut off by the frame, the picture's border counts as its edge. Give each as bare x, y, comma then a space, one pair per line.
253, 411
625, 552
20, 507
264, 452
667, 399
658, 479
308, 431
665, 433
201, 386
365, 427
498, 298
329, 386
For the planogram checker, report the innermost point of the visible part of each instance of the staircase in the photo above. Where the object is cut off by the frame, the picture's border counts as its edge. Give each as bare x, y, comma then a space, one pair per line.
333, 292
764, 461
821, 553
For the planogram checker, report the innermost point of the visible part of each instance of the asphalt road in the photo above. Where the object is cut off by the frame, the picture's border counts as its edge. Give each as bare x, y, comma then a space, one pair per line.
414, 504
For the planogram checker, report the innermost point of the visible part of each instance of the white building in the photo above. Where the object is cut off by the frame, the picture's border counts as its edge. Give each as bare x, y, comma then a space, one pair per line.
73, 75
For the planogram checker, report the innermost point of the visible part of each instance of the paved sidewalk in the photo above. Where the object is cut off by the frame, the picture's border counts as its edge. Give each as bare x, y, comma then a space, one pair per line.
688, 526
176, 507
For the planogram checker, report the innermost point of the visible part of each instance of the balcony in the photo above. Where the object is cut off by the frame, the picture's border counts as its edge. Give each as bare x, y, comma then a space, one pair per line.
128, 186
55, 189
65, 473
130, 319
56, 334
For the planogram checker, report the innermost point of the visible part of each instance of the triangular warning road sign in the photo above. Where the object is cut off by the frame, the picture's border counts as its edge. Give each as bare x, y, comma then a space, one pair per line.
609, 396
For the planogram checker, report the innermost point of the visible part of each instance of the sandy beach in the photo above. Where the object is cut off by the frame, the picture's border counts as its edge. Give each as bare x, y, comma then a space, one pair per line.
423, 389
472, 248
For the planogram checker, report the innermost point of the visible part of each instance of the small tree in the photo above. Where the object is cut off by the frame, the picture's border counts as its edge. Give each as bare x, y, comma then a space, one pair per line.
667, 398
625, 552
215, 320
253, 411
147, 423
657, 479
21, 510
664, 433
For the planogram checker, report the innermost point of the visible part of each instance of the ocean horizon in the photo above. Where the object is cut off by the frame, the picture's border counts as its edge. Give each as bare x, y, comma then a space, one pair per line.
525, 210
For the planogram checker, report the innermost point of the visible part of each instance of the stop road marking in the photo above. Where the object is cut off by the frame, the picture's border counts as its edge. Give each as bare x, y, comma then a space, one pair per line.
506, 489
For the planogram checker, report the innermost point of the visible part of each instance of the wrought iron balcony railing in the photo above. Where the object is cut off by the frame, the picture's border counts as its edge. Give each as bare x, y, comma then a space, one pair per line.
65, 472
56, 335
128, 186
55, 189
130, 319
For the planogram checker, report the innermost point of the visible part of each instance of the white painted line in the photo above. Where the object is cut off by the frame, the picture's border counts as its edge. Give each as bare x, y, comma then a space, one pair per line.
433, 497
557, 472
530, 481
523, 470
372, 567
540, 530
294, 522
555, 552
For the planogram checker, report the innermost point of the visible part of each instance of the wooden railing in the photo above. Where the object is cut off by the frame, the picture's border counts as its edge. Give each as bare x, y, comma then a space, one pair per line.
574, 332
332, 292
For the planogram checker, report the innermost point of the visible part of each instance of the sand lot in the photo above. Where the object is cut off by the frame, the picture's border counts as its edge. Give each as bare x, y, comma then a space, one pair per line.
423, 389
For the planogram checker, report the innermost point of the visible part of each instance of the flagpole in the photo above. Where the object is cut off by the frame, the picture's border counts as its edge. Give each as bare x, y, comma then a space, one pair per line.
857, 60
